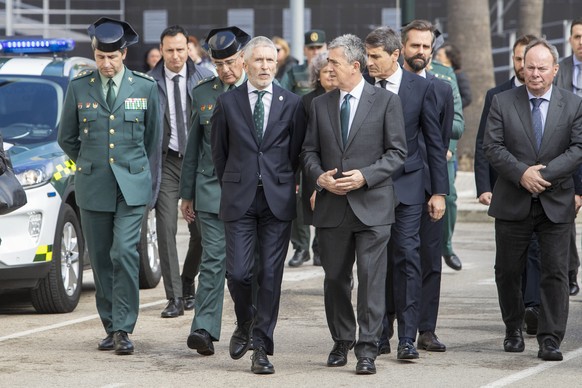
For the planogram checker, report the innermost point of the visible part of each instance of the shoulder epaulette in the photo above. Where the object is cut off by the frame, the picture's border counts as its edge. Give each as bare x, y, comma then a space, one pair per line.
207, 79
448, 78
84, 73
143, 75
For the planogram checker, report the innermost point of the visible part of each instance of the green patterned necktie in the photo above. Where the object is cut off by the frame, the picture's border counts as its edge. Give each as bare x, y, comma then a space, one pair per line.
345, 118
259, 114
110, 94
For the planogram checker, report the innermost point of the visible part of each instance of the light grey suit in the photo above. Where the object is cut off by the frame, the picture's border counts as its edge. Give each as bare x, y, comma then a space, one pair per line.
509, 144
358, 222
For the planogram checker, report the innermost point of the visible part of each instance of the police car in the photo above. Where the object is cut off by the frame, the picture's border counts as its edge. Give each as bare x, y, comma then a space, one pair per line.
42, 246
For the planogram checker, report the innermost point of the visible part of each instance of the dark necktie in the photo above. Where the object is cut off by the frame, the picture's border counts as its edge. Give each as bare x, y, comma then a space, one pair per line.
383, 83
536, 118
180, 124
110, 94
345, 117
259, 114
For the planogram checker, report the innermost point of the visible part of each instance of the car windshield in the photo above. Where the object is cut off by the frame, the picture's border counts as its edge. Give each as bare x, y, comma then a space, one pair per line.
30, 108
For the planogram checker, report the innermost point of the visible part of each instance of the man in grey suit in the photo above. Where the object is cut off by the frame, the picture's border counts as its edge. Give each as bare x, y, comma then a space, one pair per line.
570, 78
533, 139
355, 142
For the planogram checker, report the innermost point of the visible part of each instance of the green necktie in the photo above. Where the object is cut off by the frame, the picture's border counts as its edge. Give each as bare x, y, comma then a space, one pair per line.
110, 94
259, 114
345, 117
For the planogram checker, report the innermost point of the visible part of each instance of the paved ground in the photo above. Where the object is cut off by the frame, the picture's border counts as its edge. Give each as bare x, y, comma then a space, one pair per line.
60, 350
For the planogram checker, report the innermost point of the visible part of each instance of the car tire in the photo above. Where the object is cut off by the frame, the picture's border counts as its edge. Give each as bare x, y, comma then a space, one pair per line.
60, 290
150, 271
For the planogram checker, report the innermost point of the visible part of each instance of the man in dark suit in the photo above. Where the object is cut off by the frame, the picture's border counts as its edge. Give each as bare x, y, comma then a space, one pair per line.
416, 94
109, 128
354, 145
570, 78
418, 40
199, 187
485, 177
533, 139
257, 133
176, 75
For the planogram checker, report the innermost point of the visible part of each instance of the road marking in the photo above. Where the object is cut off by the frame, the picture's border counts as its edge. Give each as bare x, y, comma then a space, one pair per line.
68, 323
508, 380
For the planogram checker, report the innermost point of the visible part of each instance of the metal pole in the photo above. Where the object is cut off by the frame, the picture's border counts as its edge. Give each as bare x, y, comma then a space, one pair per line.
567, 48
297, 8
9, 18
500, 17
45, 18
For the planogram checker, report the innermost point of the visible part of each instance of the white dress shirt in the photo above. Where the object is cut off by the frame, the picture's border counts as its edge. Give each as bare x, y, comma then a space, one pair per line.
172, 104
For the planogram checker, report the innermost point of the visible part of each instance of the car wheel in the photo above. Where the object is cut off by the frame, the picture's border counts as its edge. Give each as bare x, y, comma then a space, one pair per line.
150, 271
60, 291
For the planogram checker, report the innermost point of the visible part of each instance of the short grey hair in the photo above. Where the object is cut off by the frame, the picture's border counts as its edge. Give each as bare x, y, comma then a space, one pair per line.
354, 49
546, 44
258, 41
316, 64
386, 38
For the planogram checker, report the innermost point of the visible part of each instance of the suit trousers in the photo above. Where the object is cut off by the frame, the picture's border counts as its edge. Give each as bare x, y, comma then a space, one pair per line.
167, 225
431, 266
194, 253
210, 293
112, 239
530, 283
339, 247
257, 226
300, 233
574, 258
512, 239
405, 281
450, 217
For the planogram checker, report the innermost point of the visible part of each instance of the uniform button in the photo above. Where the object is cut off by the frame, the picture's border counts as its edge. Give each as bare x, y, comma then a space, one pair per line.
84, 119
111, 145
111, 117
86, 131
111, 160
112, 131
202, 170
260, 154
79, 169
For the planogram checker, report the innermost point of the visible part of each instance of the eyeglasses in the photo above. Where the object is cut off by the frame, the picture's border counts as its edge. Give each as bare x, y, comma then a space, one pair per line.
229, 63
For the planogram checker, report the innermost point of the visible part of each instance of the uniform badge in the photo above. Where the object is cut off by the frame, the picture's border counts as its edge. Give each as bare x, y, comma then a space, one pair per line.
210, 106
92, 80
130, 79
95, 105
215, 86
136, 103
203, 108
80, 105
88, 105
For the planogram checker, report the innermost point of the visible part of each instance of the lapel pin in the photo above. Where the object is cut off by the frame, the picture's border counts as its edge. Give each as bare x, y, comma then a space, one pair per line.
280, 98
130, 79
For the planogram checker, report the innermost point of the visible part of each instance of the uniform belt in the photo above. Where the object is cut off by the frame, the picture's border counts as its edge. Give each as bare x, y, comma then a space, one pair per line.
175, 154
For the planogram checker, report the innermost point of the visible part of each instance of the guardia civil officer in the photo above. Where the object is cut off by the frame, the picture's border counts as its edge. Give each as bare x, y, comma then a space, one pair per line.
109, 127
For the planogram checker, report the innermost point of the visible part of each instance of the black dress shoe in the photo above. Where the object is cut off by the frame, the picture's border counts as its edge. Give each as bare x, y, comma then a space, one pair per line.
453, 261
123, 345
430, 342
549, 351
201, 341
316, 260
365, 366
530, 319
573, 283
241, 340
107, 343
188, 296
406, 351
261, 364
384, 346
513, 342
339, 354
299, 257
174, 308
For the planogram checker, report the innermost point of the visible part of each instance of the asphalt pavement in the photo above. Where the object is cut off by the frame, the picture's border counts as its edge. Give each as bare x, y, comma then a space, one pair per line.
60, 350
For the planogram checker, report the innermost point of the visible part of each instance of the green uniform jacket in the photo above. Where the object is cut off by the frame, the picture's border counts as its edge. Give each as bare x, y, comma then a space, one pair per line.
110, 147
296, 80
198, 180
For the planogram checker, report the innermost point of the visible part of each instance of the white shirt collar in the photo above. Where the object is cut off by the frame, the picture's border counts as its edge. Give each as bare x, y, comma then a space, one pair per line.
268, 89
356, 92
170, 74
546, 95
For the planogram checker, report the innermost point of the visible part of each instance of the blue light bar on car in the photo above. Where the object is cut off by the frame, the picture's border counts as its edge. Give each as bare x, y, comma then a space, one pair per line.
36, 46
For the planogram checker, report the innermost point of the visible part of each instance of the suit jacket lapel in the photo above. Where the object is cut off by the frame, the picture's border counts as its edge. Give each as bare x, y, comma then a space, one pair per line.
277, 103
364, 106
523, 109
553, 118
334, 116
125, 90
242, 99
96, 89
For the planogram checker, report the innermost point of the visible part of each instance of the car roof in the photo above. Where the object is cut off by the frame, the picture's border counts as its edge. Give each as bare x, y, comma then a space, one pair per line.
44, 66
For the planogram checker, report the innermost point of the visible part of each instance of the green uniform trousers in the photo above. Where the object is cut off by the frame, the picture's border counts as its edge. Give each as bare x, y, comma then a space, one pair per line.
450, 217
112, 239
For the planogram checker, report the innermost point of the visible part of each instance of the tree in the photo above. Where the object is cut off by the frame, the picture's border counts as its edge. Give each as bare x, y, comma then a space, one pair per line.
469, 28
530, 17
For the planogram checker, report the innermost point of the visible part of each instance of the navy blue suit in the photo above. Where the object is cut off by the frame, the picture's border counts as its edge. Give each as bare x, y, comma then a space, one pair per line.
258, 199
404, 281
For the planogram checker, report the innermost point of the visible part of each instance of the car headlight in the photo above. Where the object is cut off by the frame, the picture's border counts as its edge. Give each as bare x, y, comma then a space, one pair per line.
33, 177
